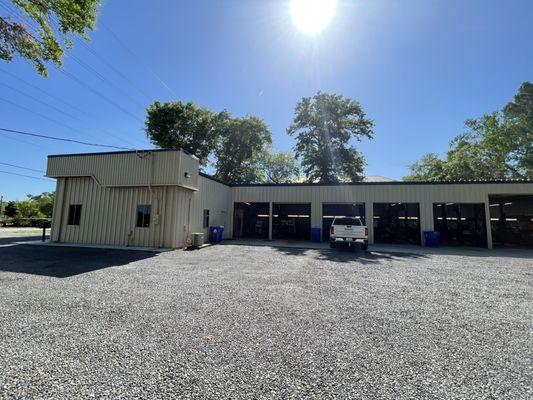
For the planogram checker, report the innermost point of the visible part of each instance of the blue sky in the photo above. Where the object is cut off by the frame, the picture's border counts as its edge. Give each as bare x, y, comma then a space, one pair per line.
419, 68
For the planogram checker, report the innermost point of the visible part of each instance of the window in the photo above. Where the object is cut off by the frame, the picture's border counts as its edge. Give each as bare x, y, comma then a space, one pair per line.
74, 214
143, 215
206, 219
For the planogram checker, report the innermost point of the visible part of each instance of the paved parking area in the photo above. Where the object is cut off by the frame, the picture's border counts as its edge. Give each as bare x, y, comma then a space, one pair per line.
262, 322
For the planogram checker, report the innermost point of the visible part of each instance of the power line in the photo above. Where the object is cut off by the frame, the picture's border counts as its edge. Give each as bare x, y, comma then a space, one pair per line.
26, 176
55, 121
62, 139
104, 79
58, 99
100, 95
125, 47
21, 167
115, 70
42, 102
68, 74
59, 111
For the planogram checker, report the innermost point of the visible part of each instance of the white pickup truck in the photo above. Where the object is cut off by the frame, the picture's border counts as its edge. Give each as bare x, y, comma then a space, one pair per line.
348, 230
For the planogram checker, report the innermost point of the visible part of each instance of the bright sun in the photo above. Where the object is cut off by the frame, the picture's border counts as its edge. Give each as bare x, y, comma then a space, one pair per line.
312, 16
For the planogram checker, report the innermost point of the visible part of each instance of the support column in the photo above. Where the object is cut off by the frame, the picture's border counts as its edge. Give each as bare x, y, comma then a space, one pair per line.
270, 213
426, 219
369, 221
487, 223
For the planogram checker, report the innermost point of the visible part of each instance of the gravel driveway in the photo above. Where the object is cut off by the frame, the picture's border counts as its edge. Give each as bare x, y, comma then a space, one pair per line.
259, 322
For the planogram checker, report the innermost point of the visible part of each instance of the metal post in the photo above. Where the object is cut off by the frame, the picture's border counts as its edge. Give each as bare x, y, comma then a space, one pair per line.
270, 212
44, 231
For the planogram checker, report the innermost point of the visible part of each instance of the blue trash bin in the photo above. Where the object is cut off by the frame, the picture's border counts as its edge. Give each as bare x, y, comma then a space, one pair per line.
315, 235
432, 238
215, 234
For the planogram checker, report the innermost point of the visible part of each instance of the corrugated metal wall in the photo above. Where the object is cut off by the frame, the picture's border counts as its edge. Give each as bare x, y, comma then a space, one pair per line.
129, 169
108, 214
215, 197
425, 195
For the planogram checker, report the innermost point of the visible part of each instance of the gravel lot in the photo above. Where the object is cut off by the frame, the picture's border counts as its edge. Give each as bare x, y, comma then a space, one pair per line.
258, 322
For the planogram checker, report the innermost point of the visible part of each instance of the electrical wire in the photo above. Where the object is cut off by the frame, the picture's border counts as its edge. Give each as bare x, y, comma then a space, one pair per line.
62, 139
55, 121
58, 99
21, 167
27, 176
132, 53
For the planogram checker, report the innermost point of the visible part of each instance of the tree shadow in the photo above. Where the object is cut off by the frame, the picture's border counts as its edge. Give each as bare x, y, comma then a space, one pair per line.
63, 262
349, 254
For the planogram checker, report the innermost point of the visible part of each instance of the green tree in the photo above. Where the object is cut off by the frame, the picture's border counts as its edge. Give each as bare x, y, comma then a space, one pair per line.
494, 146
240, 150
45, 203
324, 126
429, 168
519, 114
11, 210
29, 209
57, 21
177, 125
280, 167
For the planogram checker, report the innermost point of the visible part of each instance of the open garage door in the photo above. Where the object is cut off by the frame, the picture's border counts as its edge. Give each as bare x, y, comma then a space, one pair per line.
511, 220
332, 210
291, 221
461, 224
250, 220
397, 223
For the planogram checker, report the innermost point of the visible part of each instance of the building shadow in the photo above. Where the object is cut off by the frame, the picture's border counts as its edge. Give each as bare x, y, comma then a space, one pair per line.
63, 262
15, 239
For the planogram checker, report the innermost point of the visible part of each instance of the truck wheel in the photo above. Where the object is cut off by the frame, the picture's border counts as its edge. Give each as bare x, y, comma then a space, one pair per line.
364, 246
333, 245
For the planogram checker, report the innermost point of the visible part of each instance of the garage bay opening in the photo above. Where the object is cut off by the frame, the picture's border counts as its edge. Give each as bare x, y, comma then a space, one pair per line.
250, 220
461, 224
332, 210
291, 221
511, 220
397, 223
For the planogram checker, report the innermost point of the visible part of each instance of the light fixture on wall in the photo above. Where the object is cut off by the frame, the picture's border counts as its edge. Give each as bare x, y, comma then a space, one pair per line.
187, 175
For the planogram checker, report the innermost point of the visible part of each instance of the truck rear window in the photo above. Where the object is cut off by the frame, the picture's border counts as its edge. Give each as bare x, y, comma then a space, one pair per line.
347, 221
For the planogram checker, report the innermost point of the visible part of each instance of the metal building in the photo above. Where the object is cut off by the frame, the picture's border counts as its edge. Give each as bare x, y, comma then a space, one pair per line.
157, 198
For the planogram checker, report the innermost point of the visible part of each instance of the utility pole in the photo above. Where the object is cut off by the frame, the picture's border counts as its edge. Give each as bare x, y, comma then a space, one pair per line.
1, 209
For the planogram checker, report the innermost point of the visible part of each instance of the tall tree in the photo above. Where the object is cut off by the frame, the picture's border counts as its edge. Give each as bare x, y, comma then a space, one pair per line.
280, 167
242, 144
11, 210
494, 146
519, 113
324, 125
48, 41
177, 125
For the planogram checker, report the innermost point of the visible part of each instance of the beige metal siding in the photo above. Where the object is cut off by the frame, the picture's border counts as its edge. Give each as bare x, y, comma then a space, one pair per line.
215, 197
129, 169
425, 195
108, 214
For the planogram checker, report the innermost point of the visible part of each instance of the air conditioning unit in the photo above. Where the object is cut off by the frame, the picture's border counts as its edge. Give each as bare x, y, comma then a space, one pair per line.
197, 240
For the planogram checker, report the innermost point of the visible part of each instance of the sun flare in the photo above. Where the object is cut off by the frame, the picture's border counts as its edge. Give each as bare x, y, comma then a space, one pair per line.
312, 16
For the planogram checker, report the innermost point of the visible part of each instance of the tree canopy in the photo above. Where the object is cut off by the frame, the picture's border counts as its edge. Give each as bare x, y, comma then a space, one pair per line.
56, 22
324, 125
240, 149
280, 167
494, 146
177, 125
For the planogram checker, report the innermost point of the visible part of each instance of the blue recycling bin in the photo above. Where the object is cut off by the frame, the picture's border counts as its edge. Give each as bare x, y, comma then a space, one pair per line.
215, 234
315, 235
432, 238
